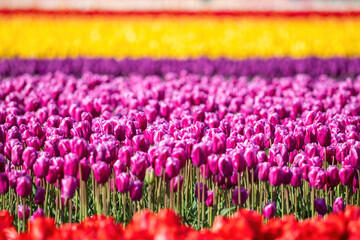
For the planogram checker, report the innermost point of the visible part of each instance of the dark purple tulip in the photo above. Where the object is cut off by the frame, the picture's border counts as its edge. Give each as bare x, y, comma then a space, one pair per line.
3, 162
338, 205
41, 167
269, 211
323, 135
225, 166
23, 186
275, 176
296, 177
101, 172
198, 154
141, 120
68, 187
320, 206
71, 165
210, 199
243, 196
299, 140
172, 168
122, 181
264, 168
130, 130
119, 132
38, 213
333, 177
39, 195
200, 189
287, 175
346, 175
136, 190
21, 212
178, 180
4, 183
29, 157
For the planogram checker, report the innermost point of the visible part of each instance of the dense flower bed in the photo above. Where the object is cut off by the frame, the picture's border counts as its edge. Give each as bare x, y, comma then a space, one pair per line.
43, 35
166, 225
272, 67
72, 147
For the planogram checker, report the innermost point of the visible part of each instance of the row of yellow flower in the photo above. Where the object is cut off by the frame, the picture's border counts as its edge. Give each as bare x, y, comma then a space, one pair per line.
181, 36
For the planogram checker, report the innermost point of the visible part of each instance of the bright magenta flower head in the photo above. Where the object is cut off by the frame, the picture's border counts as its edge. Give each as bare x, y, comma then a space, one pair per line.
23, 186
101, 172
68, 187
269, 211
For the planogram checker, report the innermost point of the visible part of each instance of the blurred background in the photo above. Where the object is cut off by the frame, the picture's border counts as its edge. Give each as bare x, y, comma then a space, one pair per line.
194, 5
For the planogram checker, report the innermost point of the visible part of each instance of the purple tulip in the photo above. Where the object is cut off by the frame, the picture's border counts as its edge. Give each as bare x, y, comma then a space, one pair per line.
243, 196
346, 175
4, 183
122, 181
264, 168
338, 205
210, 199
320, 206
333, 177
136, 190
71, 165
101, 172
23, 186
38, 213
269, 211
23, 213
238, 161
286, 176
172, 168
219, 143
41, 167
275, 176
296, 177
39, 195
29, 157
250, 157
225, 166
323, 135
198, 154
68, 187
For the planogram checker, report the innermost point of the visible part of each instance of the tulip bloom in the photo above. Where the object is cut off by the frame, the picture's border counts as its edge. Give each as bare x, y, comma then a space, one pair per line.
269, 210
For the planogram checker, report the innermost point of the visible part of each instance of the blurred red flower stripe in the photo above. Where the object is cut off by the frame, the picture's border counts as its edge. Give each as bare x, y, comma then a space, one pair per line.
167, 225
182, 13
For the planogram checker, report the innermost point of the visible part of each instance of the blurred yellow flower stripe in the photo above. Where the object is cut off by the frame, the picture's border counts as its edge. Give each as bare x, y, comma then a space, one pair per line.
177, 36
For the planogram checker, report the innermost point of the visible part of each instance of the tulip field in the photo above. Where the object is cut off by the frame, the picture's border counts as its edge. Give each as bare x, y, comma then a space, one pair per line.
179, 125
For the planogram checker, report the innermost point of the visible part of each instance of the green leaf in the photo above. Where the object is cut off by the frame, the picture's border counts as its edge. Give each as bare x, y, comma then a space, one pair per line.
226, 211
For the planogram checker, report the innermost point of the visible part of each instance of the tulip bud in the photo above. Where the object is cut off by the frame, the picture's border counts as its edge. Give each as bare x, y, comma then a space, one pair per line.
39, 196
22, 211
136, 190
4, 183
38, 213
101, 172
346, 175
338, 205
225, 166
41, 167
243, 196
68, 187
150, 175
275, 176
323, 135
23, 186
178, 180
264, 168
320, 206
122, 182
269, 210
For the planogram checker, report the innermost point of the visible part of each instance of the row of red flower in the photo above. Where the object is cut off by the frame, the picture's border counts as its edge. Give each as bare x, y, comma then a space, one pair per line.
167, 225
